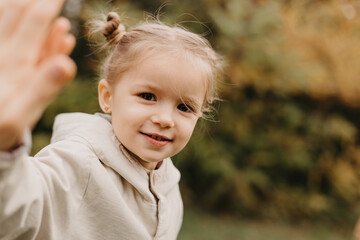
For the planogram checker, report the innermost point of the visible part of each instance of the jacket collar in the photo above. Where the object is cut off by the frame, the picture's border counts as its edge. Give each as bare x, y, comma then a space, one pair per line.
98, 133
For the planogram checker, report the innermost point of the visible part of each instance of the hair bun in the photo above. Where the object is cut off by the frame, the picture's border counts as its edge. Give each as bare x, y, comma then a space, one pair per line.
113, 29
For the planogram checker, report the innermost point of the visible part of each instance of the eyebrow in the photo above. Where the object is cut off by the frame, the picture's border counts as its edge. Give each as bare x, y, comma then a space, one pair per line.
146, 85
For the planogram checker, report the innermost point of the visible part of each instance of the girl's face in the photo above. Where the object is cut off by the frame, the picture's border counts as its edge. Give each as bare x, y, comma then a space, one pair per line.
155, 106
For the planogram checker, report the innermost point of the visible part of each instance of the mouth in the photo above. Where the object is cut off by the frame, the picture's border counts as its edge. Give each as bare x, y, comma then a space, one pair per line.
157, 137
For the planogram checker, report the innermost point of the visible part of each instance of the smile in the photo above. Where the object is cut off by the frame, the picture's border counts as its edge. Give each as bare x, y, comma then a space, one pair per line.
156, 139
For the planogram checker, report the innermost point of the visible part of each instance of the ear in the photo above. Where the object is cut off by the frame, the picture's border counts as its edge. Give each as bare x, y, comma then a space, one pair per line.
105, 95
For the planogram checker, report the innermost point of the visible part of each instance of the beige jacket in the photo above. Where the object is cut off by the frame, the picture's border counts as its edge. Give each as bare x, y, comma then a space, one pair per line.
84, 186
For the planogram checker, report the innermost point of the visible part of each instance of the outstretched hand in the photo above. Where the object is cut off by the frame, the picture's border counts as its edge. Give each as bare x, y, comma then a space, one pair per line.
34, 63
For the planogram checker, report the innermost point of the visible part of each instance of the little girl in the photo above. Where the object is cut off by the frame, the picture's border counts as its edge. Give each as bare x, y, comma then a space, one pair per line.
109, 175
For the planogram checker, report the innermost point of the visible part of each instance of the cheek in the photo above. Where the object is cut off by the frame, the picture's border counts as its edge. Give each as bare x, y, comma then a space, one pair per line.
187, 129
122, 121
126, 119
117, 127
123, 111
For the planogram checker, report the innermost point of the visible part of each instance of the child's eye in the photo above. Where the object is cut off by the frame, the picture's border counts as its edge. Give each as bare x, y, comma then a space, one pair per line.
147, 96
184, 108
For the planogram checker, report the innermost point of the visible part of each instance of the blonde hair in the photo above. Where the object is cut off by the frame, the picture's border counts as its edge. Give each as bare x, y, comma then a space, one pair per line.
127, 48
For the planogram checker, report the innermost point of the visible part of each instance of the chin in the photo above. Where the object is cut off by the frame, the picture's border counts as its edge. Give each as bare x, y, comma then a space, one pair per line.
151, 159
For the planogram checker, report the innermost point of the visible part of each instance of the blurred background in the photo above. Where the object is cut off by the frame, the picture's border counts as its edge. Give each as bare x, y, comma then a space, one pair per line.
281, 160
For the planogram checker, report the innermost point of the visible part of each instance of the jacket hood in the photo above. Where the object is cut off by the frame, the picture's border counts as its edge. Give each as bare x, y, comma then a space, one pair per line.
96, 130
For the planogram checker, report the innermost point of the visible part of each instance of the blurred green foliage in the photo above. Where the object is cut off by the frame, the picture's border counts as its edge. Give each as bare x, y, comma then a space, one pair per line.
286, 143
204, 226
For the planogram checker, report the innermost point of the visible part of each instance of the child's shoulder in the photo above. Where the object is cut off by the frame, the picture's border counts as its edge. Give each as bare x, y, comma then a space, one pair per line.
76, 137
83, 125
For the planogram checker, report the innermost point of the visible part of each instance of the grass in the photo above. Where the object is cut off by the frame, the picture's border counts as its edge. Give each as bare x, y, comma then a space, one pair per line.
201, 226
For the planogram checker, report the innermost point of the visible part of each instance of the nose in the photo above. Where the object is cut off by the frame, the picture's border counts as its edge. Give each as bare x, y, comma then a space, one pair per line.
163, 118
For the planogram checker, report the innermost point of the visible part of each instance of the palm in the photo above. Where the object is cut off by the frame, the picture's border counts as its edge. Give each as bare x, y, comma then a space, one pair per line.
34, 63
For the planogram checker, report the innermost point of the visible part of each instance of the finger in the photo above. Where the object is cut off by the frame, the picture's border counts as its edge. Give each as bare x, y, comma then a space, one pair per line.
53, 74
67, 45
33, 29
25, 109
54, 40
60, 27
10, 15
50, 79
43, 85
